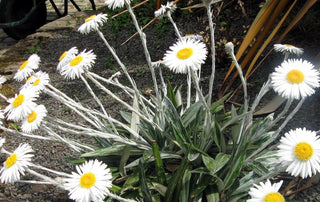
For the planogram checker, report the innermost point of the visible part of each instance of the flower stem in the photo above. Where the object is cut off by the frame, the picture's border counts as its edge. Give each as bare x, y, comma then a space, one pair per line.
213, 50
146, 51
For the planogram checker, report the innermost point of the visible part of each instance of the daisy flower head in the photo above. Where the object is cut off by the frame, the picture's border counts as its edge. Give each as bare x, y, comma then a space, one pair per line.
113, 4
34, 119
266, 192
295, 78
90, 183
78, 65
93, 23
37, 82
66, 57
16, 164
288, 49
27, 68
170, 7
21, 105
299, 151
185, 53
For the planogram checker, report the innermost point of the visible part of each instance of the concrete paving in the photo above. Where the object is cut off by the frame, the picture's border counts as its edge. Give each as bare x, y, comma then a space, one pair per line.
6, 41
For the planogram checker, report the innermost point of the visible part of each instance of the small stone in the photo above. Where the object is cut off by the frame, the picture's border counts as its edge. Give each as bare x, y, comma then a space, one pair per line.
39, 188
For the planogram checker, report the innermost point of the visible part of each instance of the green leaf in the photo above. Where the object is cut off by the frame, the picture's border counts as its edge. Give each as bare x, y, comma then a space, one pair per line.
170, 94
215, 107
75, 161
221, 160
198, 190
126, 116
214, 165
17, 127
160, 188
132, 181
177, 177
212, 195
234, 171
159, 164
143, 183
209, 163
124, 158
116, 189
179, 97
257, 167
191, 113
135, 119
112, 150
185, 190
151, 159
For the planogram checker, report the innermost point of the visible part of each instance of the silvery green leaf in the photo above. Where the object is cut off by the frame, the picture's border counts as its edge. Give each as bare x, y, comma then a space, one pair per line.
160, 188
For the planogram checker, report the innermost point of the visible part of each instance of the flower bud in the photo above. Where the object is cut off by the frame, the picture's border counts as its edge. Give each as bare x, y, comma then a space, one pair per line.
229, 47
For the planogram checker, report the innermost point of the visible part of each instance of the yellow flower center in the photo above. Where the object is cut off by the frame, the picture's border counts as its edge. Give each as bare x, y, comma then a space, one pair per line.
76, 60
288, 45
63, 55
273, 197
295, 76
32, 116
36, 82
18, 100
89, 18
11, 160
303, 151
23, 65
87, 180
29, 78
184, 53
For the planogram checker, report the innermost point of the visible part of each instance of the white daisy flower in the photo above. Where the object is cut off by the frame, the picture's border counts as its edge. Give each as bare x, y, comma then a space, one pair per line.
37, 82
184, 54
78, 65
287, 48
16, 164
34, 119
113, 4
27, 68
266, 192
21, 105
93, 23
299, 150
66, 57
90, 183
164, 9
295, 79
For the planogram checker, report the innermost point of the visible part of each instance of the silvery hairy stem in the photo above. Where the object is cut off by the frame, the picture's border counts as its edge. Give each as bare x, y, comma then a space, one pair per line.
71, 105
25, 134
213, 50
122, 102
145, 48
100, 104
124, 69
168, 14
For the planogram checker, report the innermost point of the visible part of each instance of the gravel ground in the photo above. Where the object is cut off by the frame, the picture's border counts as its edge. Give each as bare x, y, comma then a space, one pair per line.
53, 154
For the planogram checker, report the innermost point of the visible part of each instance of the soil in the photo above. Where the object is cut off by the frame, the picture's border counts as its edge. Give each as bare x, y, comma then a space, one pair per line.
231, 25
